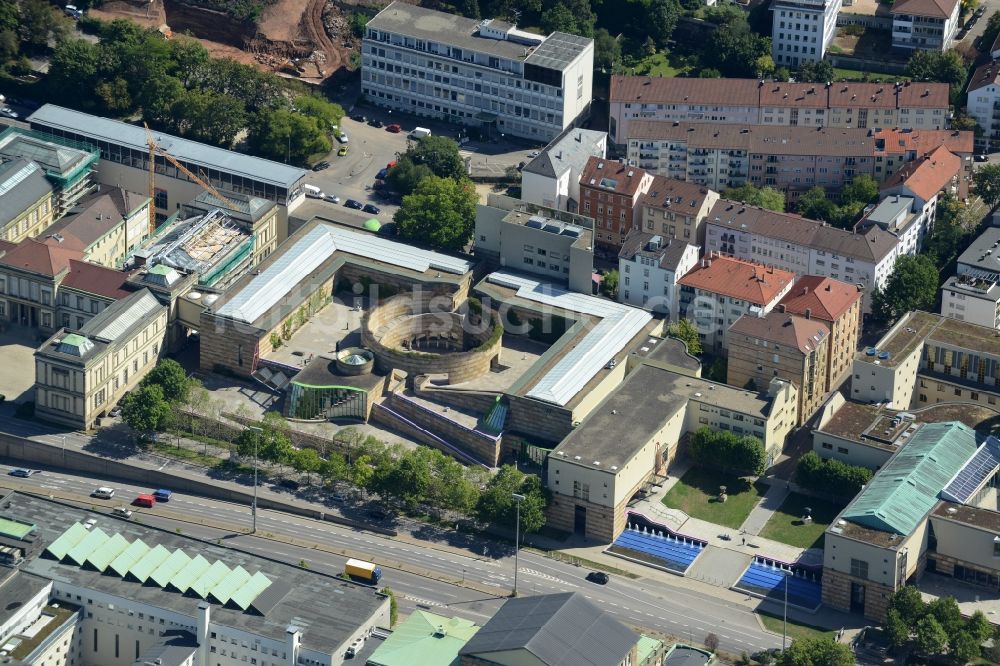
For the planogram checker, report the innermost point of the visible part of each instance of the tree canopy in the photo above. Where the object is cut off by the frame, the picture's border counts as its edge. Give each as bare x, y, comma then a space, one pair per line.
987, 181
728, 452
686, 331
762, 197
831, 476
441, 213
816, 652
912, 285
497, 506
145, 410
172, 380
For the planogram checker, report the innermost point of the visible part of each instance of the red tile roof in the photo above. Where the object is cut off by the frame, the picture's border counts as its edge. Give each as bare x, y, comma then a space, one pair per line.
738, 279
95, 279
787, 330
929, 174
824, 298
898, 141
932, 8
612, 176
725, 92
675, 195
38, 257
986, 74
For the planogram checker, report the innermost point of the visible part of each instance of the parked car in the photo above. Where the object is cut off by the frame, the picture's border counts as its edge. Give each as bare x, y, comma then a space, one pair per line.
982, 158
359, 117
332, 198
533, 154
598, 577
8, 112
103, 493
291, 484
372, 208
122, 512
394, 128
355, 204
72, 12
342, 151
382, 174
22, 472
376, 123
319, 166
343, 138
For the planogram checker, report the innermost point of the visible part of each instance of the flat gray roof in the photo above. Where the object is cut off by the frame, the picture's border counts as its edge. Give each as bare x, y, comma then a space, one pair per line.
890, 207
984, 252
558, 51
327, 609
443, 28
22, 184
134, 137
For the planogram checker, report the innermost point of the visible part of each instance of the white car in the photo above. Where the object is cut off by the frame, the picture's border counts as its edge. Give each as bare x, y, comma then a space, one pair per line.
122, 512
103, 493
8, 112
343, 138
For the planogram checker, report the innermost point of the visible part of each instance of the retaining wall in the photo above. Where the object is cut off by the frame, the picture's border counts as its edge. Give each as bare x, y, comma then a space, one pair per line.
480, 445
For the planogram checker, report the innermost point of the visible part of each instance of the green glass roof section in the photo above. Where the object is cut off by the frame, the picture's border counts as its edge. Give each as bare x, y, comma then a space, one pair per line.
170, 568
62, 545
79, 553
906, 488
15, 529
189, 574
121, 564
225, 588
425, 638
148, 563
250, 590
112, 548
209, 579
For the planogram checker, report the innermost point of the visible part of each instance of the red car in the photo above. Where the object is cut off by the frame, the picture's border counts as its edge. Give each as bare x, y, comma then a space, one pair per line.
394, 128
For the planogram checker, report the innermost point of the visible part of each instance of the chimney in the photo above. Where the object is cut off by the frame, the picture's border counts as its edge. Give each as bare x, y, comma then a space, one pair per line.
809, 313
829, 287
805, 290
293, 642
204, 617
781, 308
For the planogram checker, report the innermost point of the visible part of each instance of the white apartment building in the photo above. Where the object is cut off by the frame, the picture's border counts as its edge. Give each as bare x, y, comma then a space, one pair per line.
973, 293
924, 24
801, 30
552, 178
802, 246
650, 267
983, 103
485, 74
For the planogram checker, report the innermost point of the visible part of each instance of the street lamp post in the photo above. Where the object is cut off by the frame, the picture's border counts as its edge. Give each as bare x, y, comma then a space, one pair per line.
517, 534
253, 507
63, 437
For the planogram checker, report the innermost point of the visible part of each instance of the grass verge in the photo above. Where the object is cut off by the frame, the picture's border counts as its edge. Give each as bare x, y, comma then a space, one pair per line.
696, 494
186, 455
796, 630
786, 524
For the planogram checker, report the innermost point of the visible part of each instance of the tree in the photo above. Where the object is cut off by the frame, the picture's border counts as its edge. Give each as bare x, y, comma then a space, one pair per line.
897, 632
831, 476
440, 155
946, 611
765, 66
357, 22
931, 636
728, 452
987, 182
942, 66
327, 114
73, 71
307, 461
782, 74
762, 197
406, 175
559, 18
662, 19
733, 48
607, 49
815, 71
912, 285
686, 331
410, 479
496, 506
609, 283
979, 627
908, 603
39, 20
393, 606
991, 31
861, 189
712, 642
334, 469
145, 410
287, 136
951, 230
171, 378
441, 212
964, 647
814, 205
816, 652
721, 14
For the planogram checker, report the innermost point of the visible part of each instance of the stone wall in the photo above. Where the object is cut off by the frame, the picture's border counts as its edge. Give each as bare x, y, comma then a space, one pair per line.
837, 593
479, 445
386, 415
476, 401
603, 522
228, 346
539, 420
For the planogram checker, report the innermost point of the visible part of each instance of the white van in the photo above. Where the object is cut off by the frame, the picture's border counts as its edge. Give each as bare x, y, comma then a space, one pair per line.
313, 192
103, 493
419, 133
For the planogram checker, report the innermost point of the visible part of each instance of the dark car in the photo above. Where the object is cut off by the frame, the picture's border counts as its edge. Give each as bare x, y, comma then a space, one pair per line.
354, 203
319, 166
359, 117
382, 174
376, 123
372, 209
982, 158
598, 577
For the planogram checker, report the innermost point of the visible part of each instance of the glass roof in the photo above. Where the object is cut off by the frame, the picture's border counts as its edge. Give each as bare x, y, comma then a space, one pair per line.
225, 588
121, 564
170, 568
183, 579
74, 535
81, 551
142, 569
112, 548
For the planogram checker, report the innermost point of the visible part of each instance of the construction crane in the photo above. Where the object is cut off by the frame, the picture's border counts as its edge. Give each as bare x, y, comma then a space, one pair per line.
154, 150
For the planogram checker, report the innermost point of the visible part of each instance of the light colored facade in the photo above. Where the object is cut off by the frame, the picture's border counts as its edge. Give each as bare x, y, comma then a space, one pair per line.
523, 237
485, 74
782, 345
649, 271
928, 25
552, 179
719, 290
982, 102
858, 433
755, 102
68, 166
592, 476
25, 200
676, 209
106, 228
972, 294
802, 246
801, 30
80, 375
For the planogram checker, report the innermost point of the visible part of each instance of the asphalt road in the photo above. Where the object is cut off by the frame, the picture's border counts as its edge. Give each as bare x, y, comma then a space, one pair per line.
641, 603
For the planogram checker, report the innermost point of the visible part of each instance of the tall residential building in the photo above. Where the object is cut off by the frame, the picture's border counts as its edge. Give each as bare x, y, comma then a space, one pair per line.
802, 246
929, 25
650, 268
836, 304
983, 103
754, 102
610, 192
973, 293
720, 290
676, 209
552, 179
485, 74
801, 30
782, 345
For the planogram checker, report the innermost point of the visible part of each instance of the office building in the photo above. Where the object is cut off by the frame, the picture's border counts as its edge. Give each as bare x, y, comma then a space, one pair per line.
485, 74
719, 290
972, 294
755, 102
106, 228
928, 25
552, 178
649, 271
802, 30
610, 192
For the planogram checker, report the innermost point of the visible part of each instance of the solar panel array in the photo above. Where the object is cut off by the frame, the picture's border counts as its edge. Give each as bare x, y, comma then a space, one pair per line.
983, 464
174, 570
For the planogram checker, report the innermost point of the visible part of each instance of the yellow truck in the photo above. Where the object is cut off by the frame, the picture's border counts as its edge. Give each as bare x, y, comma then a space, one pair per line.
363, 571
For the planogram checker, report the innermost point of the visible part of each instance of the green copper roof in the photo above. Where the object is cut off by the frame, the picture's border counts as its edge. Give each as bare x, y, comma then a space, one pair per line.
121, 564
189, 574
170, 568
81, 551
112, 548
249, 591
72, 536
425, 638
907, 487
148, 563
646, 646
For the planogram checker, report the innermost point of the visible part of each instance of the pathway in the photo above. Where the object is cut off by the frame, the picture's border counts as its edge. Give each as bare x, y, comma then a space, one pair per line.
766, 507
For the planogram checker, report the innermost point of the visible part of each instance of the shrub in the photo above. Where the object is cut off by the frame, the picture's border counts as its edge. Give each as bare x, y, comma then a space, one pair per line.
831, 476
728, 452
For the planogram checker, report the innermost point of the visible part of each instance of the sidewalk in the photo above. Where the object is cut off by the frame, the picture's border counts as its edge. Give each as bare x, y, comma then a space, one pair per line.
765, 508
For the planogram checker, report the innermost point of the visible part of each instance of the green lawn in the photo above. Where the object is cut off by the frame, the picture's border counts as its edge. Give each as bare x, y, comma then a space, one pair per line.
773, 622
660, 64
859, 75
696, 494
786, 524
